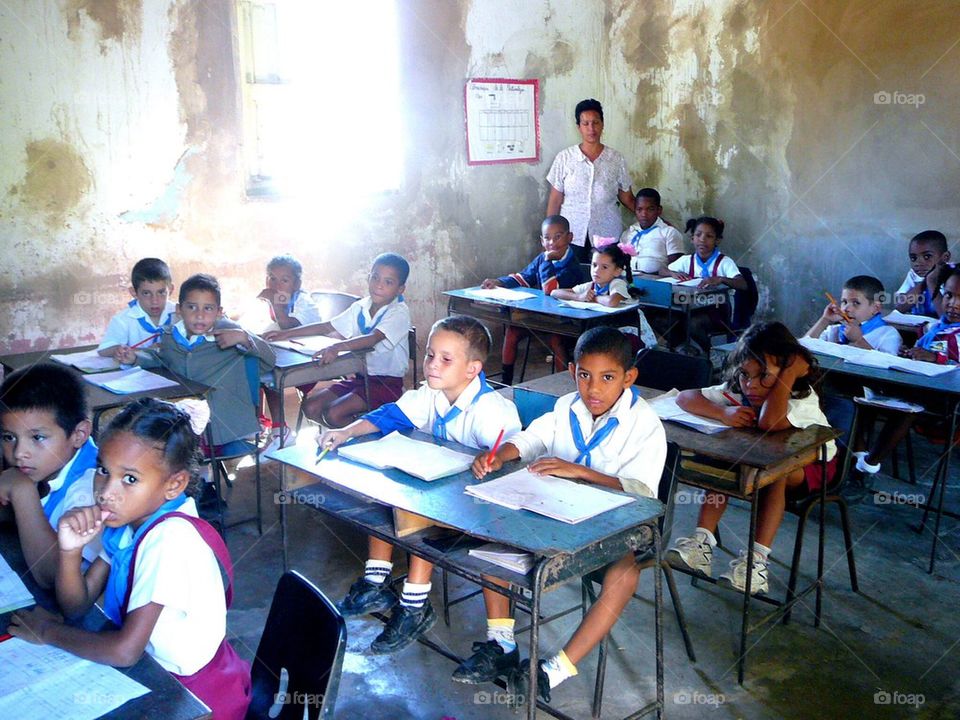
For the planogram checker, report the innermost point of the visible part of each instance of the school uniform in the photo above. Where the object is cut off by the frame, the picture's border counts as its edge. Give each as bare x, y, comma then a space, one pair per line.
627, 441
388, 361
132, 325
801, 413
942, 339
618, 286
924, 305
876, 331
547, 275
72, 488
173, 562
653, 245
475, 418
234, 380
301, 307
717, 265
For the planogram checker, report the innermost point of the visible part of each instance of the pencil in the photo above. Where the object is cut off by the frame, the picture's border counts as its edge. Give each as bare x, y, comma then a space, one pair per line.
732, 399
496, 446
145, 340
5, 636
322, 451
834, 301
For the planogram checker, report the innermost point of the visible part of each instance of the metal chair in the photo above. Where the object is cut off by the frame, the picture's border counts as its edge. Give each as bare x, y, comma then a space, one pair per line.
665, 370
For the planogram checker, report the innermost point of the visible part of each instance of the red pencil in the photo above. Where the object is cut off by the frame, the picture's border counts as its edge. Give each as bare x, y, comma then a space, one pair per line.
732, 399
145, 340
496, 446
5, 637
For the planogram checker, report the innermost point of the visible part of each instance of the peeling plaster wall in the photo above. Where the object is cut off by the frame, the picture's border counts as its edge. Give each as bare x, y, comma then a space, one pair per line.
121, 138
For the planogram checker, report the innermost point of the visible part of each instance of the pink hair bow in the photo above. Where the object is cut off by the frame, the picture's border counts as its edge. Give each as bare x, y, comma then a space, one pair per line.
601, 242
197, 410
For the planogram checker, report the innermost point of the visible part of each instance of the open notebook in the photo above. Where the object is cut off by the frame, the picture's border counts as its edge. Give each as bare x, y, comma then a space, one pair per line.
308, 345
89, 361
134, 380
875, 359
557, 498
597, 307
415, 457
499, 293
504, 556
13, 593
666, 408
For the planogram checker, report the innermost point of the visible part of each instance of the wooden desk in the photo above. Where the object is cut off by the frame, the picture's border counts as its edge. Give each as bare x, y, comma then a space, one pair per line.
167, 699
756, 459
364, 497
101, 400
674, 297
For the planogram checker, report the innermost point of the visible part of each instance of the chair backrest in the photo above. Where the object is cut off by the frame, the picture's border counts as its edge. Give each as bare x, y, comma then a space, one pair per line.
667, 490
331, 303
654, 292
412, 340
665, 370
745, 302
306, 636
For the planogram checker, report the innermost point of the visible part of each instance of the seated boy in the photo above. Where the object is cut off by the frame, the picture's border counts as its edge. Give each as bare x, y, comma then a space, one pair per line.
208, 349
604, 434
150, 311
919, 294
290, 306
454, 403
380, 321
657, 243
556, 267
941, 343
51, 457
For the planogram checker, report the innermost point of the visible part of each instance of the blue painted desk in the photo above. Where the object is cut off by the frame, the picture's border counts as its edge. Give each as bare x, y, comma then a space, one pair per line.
673, 298
365, 497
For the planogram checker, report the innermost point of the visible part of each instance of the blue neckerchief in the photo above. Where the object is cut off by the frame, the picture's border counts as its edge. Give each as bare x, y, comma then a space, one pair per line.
184, 342
599, 289
926, 306
120, 557
440, 423
942, 325
705, 264
145, 323
84, 459
584, 448
869, 326
293, 301
362, 324
640, 233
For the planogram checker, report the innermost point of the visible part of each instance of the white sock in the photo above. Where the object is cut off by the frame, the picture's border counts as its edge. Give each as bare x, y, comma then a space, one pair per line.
707, 535
501, 630
377, 571
864, 466
414, 595
761, 551
559, 668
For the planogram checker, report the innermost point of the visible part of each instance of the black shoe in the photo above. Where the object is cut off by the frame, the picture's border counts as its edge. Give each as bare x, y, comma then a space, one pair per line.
521, 682
208, 498
366, 597
405, 625
488, 662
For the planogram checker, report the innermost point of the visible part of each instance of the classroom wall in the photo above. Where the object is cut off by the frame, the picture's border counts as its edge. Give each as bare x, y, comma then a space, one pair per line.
121, 138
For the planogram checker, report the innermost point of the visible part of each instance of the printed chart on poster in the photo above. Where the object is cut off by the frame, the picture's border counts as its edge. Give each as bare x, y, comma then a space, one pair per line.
503, 123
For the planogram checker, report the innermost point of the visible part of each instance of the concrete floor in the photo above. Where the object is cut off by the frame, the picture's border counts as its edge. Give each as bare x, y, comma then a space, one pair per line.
898, 639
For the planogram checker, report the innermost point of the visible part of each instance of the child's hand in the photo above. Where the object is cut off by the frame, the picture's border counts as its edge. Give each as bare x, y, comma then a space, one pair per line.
916, 353
739, 416
490, 283
78, 527
556, 466
32, 625
710, 282
481, 467
681, 276
853, 331
13, 482
273, 335
327, 355
266, 294
796, 368
588, 295
831, 313
229, 338
332, 439
126, 355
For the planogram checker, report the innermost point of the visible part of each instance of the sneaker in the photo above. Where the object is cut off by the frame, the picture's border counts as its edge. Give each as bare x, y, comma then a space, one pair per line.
277, 436
365, 597
488, 662
521, 682
693, 554
405, 625
736, 576
865, 467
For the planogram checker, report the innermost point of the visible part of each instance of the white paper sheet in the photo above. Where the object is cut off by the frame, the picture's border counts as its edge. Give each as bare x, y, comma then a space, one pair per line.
900, 318
40, 682
134, 380
306, 345
13, 593
875, 358
499, 293
415, 457
87, 361
666, 408
504, 556
597, 307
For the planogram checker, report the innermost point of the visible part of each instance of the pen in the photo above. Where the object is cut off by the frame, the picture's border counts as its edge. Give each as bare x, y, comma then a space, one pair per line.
732, 399
5, 636
496, 446
145, 340
834, 301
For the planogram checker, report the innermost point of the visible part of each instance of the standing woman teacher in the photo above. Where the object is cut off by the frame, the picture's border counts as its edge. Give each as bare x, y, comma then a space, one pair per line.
586, 180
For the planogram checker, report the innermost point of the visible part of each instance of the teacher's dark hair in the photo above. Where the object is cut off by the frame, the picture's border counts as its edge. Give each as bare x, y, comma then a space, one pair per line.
586, 106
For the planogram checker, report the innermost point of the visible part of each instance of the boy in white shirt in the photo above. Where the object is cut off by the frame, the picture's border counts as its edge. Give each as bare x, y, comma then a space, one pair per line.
604, 434
454, 403
857, 321
657, 243
146, 316
919, 294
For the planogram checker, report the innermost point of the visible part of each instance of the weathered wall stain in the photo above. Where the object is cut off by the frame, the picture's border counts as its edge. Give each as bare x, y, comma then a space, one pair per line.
115, 19
56, 180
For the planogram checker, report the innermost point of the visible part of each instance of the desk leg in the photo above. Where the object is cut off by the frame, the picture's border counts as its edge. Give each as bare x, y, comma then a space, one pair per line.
538, 583
281, 383
283, 517
943, 487
742, 661
658, 616
823, 530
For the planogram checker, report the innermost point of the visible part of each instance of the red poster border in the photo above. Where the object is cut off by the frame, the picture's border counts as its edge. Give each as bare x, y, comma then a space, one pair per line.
536, 119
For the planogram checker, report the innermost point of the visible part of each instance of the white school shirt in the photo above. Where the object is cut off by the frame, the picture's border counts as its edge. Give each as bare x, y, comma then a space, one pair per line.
801, 412
390, 356
305, 309
177, 569
727, 267
80, 494
618, 286
909, 282
657, 242
884, 338
635, 452
477, 425
125, 328
590, 191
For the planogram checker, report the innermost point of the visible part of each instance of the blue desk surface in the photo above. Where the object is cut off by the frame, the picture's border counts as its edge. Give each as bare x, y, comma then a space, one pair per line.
445, 501
540, 303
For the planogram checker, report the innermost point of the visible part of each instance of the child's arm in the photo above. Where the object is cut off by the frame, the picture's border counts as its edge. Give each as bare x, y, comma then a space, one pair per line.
360, 342
587, 295
319, 328
506, 453
37, 539
76, 591
918, 353
332, 439
282, 318
565, 469
120, 648
831, 315
737, 283
773, 412
693, 401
